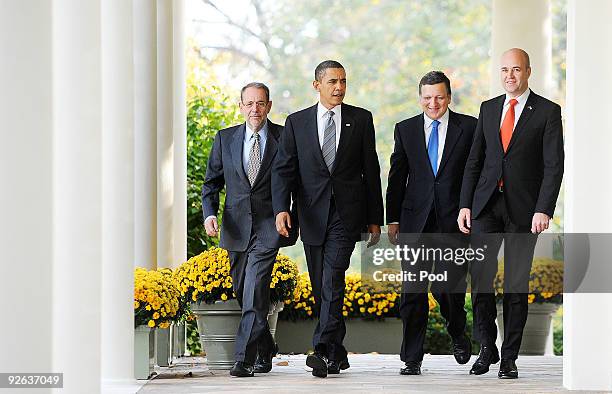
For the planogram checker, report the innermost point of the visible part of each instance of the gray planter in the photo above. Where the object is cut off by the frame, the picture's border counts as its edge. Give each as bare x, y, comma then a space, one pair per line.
144, 354
537, 329
218, 324
362, 336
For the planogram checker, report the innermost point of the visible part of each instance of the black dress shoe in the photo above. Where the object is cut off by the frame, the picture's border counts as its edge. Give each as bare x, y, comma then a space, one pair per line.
241, 369
263, 364
488, 355
462, 349
507, 369
334, 367
411, 368
318, 362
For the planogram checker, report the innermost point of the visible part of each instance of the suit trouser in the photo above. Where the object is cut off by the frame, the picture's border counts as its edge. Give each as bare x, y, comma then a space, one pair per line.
251, 275
492, 227
327, 264
450, 295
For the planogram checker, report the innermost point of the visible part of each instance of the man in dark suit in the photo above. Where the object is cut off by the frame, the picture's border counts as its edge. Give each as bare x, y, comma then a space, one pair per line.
328, 156
241, 160
423, 197
510, 188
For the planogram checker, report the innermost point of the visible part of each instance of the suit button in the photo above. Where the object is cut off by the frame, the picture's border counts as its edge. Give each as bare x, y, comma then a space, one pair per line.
437, 183
505, 160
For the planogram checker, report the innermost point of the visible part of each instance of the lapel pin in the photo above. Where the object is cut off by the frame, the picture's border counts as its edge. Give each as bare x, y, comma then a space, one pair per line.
347, 124
529, 107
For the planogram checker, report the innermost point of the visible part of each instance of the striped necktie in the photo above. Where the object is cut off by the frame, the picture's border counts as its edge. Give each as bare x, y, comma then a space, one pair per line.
329, 141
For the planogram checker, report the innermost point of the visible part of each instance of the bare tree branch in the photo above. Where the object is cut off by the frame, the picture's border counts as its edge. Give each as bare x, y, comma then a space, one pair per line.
262, 37
239, 52
232, 22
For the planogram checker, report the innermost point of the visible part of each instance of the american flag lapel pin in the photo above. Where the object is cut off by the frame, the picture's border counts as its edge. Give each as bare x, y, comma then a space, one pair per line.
529, 107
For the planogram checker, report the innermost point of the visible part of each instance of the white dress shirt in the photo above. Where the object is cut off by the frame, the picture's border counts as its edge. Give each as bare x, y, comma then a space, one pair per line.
322, 121
442, 128
518, 108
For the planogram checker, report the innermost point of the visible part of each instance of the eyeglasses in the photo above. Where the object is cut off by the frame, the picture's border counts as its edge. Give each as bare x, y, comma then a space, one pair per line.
260, 104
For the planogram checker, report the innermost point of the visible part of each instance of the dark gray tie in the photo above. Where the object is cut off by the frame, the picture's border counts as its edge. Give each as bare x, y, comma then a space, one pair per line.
254, 159
329, 141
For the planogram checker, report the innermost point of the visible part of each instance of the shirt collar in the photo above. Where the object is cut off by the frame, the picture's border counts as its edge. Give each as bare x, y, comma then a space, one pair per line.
321, 110
522, 99
443, 119
249, 133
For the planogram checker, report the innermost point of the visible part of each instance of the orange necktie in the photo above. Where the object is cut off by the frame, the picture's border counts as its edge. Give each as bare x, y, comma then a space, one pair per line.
506, 131
508, 125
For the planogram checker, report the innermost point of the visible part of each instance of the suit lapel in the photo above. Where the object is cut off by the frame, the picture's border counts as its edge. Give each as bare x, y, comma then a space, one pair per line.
496, 126
419, 128
453, 132
525, 115
346, 132
269, 152
236, 150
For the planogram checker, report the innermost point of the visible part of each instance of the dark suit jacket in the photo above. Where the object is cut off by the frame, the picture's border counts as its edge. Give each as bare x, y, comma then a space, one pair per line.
354, 179
246, 208
532, 167
412, 189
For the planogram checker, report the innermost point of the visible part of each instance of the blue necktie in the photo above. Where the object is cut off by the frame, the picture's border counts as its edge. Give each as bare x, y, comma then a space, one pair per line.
432, 147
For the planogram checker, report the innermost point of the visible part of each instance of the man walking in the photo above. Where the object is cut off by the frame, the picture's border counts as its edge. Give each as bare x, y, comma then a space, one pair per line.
240, 160
510, 187
427, 165
327, 155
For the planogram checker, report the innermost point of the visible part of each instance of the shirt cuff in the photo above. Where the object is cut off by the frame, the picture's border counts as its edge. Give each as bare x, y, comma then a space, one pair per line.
209, 217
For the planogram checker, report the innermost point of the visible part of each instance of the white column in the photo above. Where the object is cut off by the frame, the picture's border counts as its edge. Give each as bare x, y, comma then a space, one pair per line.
165, 140
26, 177
145, 125
179, 128
524, 24
587, 321
165, 156
77, 177
179, 123
117, 196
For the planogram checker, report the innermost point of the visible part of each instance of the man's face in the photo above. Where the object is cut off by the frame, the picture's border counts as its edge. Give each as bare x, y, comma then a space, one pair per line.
434, 100
332, 87
255, 107
514, 73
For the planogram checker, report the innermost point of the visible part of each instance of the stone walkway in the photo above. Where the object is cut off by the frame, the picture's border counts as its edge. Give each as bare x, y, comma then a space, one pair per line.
368, 373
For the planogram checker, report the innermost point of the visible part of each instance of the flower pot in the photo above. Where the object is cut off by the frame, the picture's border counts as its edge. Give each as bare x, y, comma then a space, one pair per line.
144, 352
362, 336
218, 324
275, 309
537, 327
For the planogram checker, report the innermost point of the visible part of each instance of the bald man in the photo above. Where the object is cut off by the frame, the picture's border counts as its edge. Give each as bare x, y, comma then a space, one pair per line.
510, 187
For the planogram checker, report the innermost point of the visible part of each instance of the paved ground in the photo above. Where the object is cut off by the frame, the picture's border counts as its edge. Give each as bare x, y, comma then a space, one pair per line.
368, 373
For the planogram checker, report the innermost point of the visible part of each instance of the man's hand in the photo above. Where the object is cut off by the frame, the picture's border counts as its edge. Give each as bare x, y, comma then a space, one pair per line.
465, 220
283, 223
393, 233
539, 223
374, 230
211, 226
